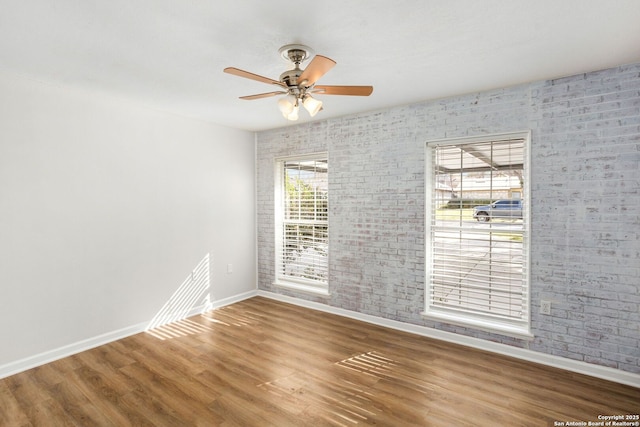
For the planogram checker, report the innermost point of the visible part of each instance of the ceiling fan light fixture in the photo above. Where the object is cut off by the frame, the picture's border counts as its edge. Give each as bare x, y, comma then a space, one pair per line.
293, 115
312, 105
286, 104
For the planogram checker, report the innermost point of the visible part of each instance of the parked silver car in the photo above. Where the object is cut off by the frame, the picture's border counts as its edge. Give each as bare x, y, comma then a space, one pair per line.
509, 209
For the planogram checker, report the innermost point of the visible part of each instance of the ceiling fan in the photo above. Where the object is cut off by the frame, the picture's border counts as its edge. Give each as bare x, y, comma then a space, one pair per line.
297, 85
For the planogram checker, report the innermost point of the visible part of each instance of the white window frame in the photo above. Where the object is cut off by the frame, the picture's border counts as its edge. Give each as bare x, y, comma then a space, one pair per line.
518, 328
317, 287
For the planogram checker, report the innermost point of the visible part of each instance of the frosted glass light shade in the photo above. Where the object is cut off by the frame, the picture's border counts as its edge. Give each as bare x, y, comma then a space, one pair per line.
286, 104
293, 115
312, 105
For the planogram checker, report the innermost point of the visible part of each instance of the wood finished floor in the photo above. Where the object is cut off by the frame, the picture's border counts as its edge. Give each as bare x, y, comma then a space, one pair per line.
265, 363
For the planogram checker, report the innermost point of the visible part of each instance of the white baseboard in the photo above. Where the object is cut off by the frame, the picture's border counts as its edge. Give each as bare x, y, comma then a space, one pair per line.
80, 346
597, 371
68, 350
230, 300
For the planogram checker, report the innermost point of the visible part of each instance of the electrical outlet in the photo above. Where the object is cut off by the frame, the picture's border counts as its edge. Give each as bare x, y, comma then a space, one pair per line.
545, 307
229, 268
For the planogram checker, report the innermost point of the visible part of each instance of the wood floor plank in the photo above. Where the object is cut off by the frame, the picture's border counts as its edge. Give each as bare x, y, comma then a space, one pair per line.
261, 362
76, 406
47, 412
11, 412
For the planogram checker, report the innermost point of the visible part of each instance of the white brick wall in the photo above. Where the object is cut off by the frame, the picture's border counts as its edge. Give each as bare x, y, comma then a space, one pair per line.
585, 251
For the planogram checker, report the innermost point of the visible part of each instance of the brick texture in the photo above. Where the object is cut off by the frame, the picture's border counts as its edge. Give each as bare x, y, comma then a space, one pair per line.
585, 214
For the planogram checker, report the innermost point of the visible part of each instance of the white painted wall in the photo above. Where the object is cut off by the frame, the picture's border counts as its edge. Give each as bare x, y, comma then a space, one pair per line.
105, 209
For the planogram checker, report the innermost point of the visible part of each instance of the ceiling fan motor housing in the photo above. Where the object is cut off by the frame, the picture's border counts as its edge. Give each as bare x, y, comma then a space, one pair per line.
297, 54
290, 77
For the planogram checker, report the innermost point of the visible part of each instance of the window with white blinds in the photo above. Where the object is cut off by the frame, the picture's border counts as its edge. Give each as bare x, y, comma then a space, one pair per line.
302, 240
477, 233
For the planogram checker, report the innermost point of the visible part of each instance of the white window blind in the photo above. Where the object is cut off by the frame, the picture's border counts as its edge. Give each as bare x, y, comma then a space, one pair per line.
302, 222
477, 268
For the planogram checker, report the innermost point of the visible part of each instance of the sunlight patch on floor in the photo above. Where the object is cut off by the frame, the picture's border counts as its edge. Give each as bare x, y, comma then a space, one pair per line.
179, 328
370, 363
229, 316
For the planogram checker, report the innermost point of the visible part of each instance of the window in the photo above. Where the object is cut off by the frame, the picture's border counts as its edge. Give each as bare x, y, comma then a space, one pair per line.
477, 231
302, 240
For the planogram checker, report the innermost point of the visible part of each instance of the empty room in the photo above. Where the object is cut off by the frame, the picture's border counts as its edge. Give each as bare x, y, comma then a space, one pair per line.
338, 213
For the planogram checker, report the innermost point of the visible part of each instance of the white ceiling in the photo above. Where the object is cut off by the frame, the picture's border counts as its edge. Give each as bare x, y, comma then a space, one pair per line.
169, 54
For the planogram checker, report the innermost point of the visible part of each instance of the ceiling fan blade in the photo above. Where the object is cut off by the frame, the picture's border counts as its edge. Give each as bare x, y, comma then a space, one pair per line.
317, 68
262, 95
241, 73
343, 90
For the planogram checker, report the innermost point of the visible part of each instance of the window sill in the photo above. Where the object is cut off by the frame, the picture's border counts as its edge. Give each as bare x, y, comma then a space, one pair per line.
487, 325
309, 289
